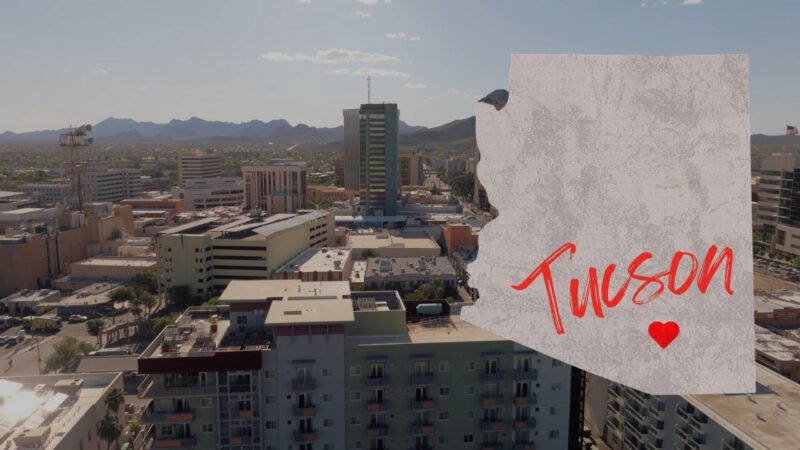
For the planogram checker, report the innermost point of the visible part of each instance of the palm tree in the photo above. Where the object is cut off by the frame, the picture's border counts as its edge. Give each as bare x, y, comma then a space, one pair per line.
109, 428
114, 399
134, 428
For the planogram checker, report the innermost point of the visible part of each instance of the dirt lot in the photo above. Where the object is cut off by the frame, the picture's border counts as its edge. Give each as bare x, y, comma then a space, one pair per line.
764, 282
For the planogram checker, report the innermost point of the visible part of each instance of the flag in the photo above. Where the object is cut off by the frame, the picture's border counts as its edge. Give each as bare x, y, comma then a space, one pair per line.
790, 130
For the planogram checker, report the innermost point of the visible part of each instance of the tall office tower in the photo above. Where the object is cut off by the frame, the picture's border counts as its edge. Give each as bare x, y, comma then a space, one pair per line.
411, 168
310, 365
351, 153
338, 171
378, 161
194, 164
279, 187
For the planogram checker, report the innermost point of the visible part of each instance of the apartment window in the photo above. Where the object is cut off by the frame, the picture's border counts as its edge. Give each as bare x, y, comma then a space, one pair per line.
444, 415
355, 396
469, 390
270, 399
241, 320
271, 424
444, 391
444, 366
491, 365
327, 422
326, 372
376, 370
205, 402
556, 363
303, 373
208, 428
554, 410
269, 373
469, 365
327, 397
355, 420
468, 438
555, 387
553, 434
355, 370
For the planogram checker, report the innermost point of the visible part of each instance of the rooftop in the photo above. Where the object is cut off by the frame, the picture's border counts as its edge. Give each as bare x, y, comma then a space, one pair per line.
322, 259
310, 312
261, 290
143, 262
409, 266
776, 346
29, 295
763, 420
285, 224
390, 240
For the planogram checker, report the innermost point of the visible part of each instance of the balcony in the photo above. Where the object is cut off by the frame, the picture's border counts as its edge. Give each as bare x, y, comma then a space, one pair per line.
638, 414
635, 429
241, 388
421, 428
614, 390
491, 399
378, 406
304, 385
530, 399
151, 417
698, 423
422, 404
245, 414
698, 441
683, 413
530, 375
631, 443
614, 406
493, 377
426, 379
304, 411
181, 391
305, 436
377, 430
188, 441
492, 425
522, 424
241, 440
378, 381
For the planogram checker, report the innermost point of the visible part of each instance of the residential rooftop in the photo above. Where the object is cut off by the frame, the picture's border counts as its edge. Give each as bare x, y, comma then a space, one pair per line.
423, 266
262, 290
381, 240
322, 259
310, 312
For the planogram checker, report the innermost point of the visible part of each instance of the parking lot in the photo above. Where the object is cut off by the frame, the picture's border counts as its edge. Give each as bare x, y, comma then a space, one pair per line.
782, 270
23, 356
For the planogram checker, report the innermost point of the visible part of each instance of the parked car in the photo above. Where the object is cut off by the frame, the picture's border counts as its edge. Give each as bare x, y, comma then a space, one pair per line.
75, 318
3, 340
16, 338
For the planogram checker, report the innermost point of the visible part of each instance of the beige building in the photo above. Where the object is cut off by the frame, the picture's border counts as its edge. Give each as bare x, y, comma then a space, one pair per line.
198, 164
392, 244
411, 173
205, 193
114, 267
275, 188
317, 264
110, 185
55, 412
207, 254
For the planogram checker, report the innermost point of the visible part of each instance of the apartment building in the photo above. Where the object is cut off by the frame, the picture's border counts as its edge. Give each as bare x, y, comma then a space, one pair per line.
411, 173
408, 273
206, 193
338, 171
766, 419
279, 187
207, 254
55, 412
310, 365
110, 185
194, 164
455, 166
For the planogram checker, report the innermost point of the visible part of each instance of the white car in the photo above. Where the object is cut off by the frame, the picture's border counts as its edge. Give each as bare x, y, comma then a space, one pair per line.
77, 318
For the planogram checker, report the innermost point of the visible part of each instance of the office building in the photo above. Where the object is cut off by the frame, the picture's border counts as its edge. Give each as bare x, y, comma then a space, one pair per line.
317, 264
207, 254
55, 412
311, 365
47, 193
378, 158
279, 187
110, 185
392, 245
411, 173
202, 194
198, 164
406, 273
352, 155
766, 419
338, 171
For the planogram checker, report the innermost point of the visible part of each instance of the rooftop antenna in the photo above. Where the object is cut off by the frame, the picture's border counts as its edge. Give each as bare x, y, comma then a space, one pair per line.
368, 88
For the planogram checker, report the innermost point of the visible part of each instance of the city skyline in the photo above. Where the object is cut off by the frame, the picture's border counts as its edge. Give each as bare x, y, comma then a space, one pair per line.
304, 61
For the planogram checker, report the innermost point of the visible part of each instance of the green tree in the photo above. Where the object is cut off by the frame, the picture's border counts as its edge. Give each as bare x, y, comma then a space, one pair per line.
122, 294
146, 281
796, 261
161, 322
65, 352
368, 253
134, 428
213, 301
179, 296
114, 399
95, 326
463, 185
149, 301
435, 190
432, 290
109, 429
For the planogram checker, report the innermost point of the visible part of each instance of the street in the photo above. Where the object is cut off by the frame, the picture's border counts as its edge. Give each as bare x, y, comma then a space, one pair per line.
24, 354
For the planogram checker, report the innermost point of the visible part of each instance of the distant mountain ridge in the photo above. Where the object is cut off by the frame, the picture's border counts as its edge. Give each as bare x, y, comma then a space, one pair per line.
195, 128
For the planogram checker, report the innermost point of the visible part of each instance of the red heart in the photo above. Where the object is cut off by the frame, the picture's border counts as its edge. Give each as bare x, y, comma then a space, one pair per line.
663, 333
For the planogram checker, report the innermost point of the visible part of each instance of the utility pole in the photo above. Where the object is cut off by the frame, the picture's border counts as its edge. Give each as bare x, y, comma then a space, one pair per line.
38, 355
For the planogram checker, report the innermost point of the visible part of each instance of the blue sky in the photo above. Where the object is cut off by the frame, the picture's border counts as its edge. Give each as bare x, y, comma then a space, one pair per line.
83, 61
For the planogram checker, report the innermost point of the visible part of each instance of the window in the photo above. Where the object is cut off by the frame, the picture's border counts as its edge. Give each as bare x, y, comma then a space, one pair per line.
469, 415
241, 320
556, 363
271, 424
205, 402
469, 365
355, 370
554, 411
269, 373
555, 387
444, 415
490, 365
444, 366
355, 396
208, 428
444, 391
469, 390
442, 440
468, 438
553, 434
355, 420
327, 397
376, 370
326, 372
327, 423
270, 399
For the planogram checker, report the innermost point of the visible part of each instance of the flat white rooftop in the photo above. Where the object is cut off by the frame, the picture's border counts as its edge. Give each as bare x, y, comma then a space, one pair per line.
261, 290
310, 312
317, 260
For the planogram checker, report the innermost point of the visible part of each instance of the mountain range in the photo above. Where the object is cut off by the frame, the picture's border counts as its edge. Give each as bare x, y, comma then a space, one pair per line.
194, 129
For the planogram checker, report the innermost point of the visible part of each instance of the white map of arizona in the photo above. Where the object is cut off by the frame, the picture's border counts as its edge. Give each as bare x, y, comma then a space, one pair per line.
618, 157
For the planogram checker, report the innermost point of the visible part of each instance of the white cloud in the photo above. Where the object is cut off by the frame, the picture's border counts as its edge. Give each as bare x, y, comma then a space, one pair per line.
414, 38
329, 56
360, 13
100, 72
643, 4
368, 2
303, 1
452, 91
415, 85
400, 35
691, 2
369, 71
143, 88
